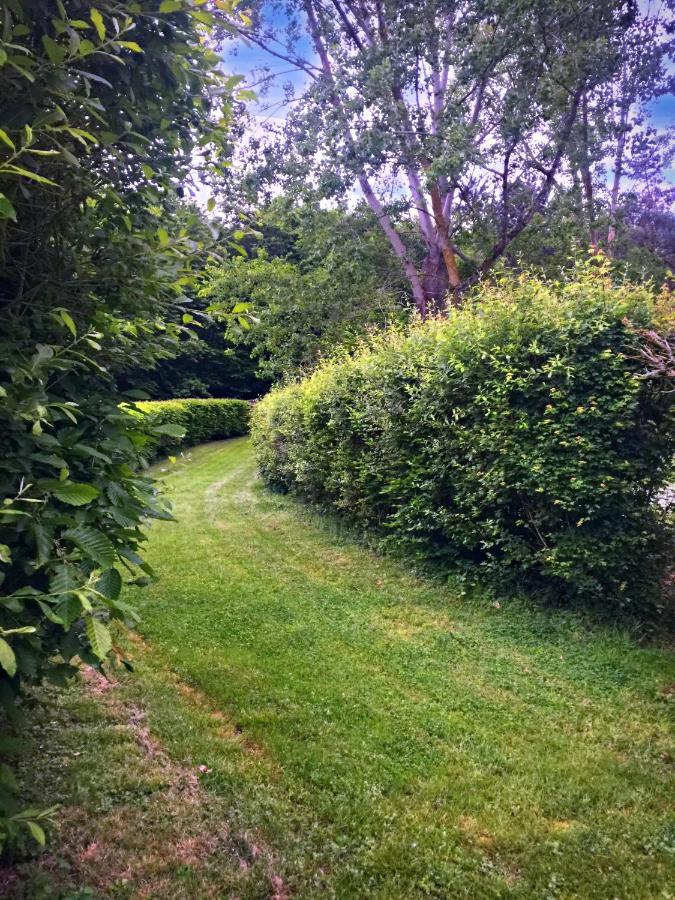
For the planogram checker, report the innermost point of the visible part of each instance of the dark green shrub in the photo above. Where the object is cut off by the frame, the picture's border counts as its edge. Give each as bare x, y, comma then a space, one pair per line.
183, 423
104, 109
516, 435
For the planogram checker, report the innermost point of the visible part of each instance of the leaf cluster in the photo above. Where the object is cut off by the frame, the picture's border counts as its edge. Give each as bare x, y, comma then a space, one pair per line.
105, 110
313, 280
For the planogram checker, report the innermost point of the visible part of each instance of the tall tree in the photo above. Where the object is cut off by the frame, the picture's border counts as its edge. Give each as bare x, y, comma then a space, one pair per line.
441, 105
615, 131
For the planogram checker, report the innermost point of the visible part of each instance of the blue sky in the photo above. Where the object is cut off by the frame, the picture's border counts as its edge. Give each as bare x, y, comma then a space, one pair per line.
244, 58
663, 111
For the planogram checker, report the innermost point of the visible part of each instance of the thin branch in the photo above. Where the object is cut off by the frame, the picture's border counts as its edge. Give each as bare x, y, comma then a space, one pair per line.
541, 196
296, 62
349, 28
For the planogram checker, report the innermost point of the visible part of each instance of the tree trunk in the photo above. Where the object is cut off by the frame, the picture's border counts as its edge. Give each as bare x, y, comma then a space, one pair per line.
587, 177
435, 281
618, 171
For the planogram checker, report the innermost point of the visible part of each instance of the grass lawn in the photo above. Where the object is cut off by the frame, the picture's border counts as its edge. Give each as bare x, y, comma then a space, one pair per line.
366, 733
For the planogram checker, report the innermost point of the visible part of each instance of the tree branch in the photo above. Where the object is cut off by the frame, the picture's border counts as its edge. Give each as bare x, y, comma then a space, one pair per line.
542, 195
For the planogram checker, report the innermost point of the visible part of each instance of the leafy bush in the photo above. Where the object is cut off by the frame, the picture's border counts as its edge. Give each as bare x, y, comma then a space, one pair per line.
519, 434
105, 111
176, 423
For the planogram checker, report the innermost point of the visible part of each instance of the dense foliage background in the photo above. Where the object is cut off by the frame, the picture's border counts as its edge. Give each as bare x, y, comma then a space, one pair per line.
482, 122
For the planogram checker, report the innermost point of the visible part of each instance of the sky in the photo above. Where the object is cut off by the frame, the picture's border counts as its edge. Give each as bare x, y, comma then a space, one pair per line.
243, 58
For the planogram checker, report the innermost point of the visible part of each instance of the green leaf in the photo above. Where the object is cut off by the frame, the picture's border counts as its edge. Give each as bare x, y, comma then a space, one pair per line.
86, 48
55, 52
73, 492
99, 637
91, 452
64, 579
43, 544
163, 236
93, 543
6, 139
3, 56
7, 658
68, 610
99, 25
136, 394
37, 832
176, 431
110, 584
5, 554
19, 170
169, 6
67, 320
130, 45
201, 16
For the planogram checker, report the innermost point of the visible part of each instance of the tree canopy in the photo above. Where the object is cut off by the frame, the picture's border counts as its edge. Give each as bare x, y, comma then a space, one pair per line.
472, 116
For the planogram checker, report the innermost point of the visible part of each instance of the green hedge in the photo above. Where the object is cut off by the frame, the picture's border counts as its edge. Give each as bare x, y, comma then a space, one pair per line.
199, 420
516, 435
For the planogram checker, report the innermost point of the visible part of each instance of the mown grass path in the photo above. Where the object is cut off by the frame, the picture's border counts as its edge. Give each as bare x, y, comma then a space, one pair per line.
361, 732
381, 736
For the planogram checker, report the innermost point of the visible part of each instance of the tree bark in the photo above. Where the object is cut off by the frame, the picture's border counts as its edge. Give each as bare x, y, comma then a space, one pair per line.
618, 170
586, 175
435, 282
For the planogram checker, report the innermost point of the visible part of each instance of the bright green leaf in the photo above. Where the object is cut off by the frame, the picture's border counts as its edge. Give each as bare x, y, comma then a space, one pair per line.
130, 45
74, 493
98, 636
36, 831
99, 25
7, 658
6, 139
176, 431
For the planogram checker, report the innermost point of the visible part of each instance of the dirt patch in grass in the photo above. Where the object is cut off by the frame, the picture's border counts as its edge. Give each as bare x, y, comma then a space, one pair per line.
159, 834
226, 727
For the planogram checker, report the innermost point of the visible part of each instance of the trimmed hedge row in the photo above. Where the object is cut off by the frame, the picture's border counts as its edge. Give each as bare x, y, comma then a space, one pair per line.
516, 435
201, 420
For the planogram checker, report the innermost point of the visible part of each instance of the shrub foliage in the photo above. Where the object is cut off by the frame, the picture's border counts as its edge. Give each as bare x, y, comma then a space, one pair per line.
103, 112
519, 434
175, 423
